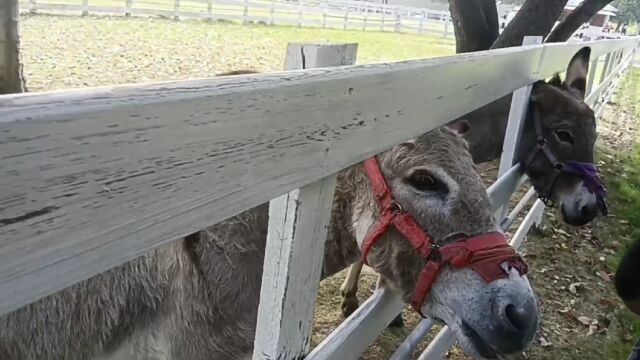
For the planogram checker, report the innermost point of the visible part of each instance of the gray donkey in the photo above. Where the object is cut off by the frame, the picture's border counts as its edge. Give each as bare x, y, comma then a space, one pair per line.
197, 298
568, 127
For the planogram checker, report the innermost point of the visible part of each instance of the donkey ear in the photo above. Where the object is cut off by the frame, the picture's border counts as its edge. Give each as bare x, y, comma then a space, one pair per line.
461, 127
545, 96
576, 78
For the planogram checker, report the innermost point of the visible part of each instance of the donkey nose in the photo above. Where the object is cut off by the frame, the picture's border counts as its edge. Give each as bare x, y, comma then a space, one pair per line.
581, 214
517, 323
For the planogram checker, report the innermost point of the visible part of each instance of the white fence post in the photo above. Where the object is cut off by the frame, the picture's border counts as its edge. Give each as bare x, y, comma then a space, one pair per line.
424, 15
272, 11
210, 10
446, 26
245, 12
299, 13
176, 9
298, 223
324, 14
128, 7
384, 13
366, 14
605, 68
85, 7
517, 113
32, 6
398, 20
346, 18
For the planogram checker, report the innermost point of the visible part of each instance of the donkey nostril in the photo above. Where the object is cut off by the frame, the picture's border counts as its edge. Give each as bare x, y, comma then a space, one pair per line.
519, 317
589, 211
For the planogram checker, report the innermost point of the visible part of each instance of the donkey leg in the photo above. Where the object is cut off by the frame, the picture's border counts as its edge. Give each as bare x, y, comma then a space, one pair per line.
397, 322
349, 289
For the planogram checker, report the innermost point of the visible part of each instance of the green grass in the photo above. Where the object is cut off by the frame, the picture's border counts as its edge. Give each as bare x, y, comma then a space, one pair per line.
70, 51
259, 11
624, 188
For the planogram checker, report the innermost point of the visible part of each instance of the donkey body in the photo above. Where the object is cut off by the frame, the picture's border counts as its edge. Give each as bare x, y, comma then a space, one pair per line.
197, 298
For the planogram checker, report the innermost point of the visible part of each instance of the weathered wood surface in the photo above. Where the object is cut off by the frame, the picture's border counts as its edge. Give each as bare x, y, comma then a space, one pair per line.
298, 224
92, 178
310, 56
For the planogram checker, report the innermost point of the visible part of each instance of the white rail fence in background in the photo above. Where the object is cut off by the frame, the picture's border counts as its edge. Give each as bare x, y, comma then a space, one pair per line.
337, 14
93, 178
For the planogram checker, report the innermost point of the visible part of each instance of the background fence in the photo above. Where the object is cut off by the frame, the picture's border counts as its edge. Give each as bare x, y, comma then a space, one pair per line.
337, 14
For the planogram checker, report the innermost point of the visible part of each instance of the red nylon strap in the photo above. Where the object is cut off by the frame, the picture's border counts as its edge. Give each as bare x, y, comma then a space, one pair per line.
484, 253
391, 214
378, 184
375, 231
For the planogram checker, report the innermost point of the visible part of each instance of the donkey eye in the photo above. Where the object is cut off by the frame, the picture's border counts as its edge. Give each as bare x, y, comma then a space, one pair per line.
564, 136
422, 180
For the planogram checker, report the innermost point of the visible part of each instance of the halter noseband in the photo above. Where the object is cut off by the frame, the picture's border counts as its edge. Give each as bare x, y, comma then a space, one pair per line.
588, 172
484, 253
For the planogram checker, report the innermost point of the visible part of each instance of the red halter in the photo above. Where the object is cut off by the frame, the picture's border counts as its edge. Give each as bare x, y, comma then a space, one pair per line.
483, 253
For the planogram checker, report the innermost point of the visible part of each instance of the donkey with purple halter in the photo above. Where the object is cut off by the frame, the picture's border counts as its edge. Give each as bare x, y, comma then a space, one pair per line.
556, 145
586, 171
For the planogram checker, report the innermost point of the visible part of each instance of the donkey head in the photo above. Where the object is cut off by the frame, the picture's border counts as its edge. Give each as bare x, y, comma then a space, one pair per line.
560, 129
433, 179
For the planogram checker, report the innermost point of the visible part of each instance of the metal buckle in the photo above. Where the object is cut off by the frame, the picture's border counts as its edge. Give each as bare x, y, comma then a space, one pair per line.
395, 207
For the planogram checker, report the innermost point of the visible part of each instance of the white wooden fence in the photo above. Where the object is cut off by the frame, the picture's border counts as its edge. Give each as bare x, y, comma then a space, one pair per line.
341, 14
93, 178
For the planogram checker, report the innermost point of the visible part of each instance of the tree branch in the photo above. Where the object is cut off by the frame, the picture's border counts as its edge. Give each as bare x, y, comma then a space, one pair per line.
577, 17
535, 18
471, 24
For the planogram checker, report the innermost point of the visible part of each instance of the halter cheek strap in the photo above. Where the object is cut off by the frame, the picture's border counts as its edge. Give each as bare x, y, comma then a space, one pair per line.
483, 253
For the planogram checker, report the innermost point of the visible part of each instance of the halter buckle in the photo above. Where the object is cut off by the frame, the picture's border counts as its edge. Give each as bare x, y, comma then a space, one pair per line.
394, 207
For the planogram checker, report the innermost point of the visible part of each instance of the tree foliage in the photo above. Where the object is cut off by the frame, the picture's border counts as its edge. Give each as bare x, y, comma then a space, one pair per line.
628, 10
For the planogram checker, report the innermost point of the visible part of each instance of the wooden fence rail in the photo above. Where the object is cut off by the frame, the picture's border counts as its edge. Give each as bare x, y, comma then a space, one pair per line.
347, 14
95, 177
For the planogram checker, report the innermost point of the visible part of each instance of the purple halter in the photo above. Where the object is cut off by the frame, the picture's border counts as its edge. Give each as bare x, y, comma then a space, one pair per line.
588, 172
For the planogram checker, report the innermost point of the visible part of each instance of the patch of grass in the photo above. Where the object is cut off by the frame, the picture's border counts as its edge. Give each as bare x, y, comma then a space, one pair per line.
624, 190
71, 51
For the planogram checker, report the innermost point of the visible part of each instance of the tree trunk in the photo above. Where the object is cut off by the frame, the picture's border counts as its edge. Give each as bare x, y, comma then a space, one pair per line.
535, 18
471, 19
575, 19
11, 78
490, 12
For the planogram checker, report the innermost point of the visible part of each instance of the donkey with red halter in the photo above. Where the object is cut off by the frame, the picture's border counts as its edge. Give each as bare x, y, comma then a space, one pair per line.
486, 253
555, 150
